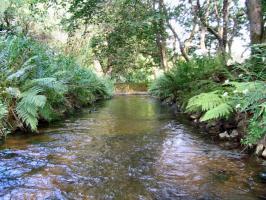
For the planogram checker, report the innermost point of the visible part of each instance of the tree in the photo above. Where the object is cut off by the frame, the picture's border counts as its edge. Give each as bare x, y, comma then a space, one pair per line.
223, 21
161, 33
128, 30
255, 12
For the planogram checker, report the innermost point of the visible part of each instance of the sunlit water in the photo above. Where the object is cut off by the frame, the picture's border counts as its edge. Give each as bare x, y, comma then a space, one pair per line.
130, 147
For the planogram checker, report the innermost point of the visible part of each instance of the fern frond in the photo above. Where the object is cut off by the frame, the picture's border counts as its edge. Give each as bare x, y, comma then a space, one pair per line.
28, 106
221, 111
20, 73
204, 101
47, 112
213, 104
48, 83
250, 86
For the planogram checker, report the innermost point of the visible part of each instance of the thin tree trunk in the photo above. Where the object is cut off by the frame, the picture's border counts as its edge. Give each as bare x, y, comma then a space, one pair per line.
203, 38
226, 4
181, 46
161, 38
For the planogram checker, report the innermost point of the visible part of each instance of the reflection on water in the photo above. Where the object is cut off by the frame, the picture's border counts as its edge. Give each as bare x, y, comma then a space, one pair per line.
131, 147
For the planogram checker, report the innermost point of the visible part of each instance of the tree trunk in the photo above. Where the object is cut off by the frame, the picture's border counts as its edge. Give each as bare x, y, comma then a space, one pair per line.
226, 4
256, 24
202, 39
221, 31
161, 37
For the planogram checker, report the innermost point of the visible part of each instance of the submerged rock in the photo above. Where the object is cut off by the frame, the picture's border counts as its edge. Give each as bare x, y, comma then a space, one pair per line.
259, 149
224, 135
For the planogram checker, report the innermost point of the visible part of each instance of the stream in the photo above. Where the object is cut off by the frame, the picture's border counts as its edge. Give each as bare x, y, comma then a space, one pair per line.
126, 148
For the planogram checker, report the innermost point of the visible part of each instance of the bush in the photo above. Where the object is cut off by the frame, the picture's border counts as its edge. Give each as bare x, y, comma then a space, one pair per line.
201, 86
38, 83
187, 79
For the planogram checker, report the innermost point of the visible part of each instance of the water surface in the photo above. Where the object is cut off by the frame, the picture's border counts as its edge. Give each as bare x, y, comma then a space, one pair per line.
130, 147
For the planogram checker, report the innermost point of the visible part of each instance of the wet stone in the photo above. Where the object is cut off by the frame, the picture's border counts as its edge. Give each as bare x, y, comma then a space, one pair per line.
259, 149
234, 134
224, 135
264, 153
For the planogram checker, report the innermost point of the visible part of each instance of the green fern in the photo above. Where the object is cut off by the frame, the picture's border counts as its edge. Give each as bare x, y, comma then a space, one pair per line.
42, 84
204, 101
48, 83
46, 112
214, 105
28, 106
220, 111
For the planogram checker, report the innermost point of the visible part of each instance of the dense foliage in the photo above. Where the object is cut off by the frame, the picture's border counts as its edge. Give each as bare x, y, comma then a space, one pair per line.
190, 78
40, 84
209, 88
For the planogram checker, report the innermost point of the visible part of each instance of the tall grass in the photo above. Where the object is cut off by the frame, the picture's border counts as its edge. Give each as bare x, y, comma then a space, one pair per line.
37, 83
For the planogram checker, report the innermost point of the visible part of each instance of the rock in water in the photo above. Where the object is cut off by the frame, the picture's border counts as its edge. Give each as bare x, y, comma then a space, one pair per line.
259, 149
224, 135
234, 134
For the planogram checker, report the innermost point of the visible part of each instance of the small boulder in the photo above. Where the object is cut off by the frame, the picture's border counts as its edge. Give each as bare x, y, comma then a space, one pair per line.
259, 149
224, 135
234, 134
264, 154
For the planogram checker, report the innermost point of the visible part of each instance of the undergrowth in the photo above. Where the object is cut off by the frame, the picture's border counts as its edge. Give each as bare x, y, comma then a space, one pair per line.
39, 84
206, 86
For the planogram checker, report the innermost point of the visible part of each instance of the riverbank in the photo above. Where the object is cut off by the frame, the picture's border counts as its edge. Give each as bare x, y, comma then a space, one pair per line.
40, 84
217, 100
227, 133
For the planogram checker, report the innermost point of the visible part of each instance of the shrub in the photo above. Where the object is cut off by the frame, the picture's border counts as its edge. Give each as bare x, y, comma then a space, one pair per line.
190, 78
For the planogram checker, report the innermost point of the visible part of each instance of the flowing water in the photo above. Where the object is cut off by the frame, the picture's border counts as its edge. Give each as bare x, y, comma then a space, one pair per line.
130, 147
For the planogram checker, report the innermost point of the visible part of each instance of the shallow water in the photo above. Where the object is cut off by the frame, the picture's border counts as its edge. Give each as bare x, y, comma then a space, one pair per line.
129, 147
